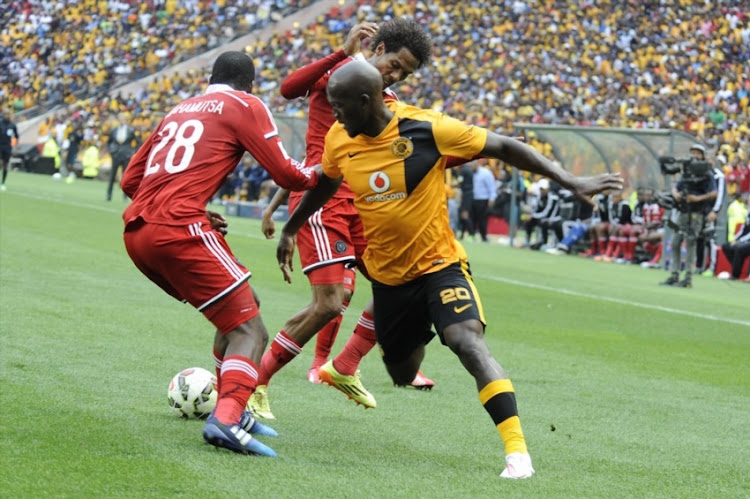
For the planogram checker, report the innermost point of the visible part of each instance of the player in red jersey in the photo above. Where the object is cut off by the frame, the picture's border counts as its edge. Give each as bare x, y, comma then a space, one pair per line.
333, 239
170, 238
652, 236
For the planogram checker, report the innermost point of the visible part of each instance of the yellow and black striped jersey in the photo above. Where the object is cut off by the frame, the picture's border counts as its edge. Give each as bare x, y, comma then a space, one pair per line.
399, 186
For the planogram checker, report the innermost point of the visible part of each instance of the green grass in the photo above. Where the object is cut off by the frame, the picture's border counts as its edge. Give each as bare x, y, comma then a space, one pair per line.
625, 388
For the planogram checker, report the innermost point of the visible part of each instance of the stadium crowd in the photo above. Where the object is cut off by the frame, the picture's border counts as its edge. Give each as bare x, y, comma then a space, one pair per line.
673, 64
60, 51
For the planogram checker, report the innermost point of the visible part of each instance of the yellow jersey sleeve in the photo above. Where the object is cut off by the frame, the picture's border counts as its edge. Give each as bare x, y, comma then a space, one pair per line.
330, 164
456, 138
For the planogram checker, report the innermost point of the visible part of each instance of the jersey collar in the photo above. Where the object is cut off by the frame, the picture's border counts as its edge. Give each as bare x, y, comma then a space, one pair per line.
220, 87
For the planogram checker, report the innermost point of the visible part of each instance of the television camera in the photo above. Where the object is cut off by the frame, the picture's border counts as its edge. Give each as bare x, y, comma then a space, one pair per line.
693, 172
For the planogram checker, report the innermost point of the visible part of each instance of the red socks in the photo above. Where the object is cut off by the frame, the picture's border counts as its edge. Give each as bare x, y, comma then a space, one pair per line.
283, 350
326, 338
218, 361
239, 377
594, 246
359, 345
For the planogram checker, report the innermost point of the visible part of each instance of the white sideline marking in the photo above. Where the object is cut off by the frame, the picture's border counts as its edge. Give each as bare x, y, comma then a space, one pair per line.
615, 300
490, 278
67, 201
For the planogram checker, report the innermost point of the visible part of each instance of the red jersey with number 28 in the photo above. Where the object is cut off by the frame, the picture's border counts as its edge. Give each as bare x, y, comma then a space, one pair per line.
198, 144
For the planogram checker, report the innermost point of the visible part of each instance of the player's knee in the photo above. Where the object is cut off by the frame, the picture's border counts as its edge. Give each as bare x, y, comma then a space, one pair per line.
328, 309
251, 334
328, 302
465, 341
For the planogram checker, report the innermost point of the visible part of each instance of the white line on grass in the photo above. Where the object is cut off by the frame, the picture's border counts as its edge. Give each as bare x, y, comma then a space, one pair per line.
491, 278
615, 300
68, 202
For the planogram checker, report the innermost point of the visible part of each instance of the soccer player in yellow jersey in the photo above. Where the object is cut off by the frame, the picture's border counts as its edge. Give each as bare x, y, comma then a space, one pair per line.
393, 158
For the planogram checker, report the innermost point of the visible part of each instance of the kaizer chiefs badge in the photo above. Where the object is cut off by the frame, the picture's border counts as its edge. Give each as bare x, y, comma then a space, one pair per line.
402, 148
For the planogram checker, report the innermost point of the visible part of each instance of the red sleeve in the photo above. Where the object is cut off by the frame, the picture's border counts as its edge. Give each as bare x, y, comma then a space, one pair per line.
452, 161
263, 142
301, 81
133, 174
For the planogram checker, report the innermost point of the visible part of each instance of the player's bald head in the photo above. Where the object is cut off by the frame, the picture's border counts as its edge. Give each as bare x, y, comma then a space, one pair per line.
355, 92
235, 69
356, 79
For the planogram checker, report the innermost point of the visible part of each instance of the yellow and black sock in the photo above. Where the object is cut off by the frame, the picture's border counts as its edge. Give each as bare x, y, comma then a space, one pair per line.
499, 400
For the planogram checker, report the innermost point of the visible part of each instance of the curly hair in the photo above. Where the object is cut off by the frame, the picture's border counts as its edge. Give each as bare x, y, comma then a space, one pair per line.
401, 32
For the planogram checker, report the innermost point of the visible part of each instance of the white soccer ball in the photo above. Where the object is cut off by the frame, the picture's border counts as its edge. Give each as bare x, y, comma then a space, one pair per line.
192, 393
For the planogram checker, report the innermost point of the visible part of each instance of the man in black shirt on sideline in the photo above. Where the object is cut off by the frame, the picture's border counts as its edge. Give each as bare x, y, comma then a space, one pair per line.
8, 131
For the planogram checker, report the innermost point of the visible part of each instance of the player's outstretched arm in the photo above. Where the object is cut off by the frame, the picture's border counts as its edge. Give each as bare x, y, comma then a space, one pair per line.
521, 156
312, 201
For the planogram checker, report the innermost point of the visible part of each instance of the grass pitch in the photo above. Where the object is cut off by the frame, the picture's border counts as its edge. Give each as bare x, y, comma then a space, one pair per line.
625, 388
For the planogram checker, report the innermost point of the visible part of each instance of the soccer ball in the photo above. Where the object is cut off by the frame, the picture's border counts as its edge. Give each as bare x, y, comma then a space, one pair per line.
192, 393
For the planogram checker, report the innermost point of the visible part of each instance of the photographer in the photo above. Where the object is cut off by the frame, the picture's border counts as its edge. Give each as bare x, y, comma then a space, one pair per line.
693, 197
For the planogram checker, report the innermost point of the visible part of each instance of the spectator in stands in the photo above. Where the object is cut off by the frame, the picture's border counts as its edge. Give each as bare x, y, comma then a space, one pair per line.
84, 48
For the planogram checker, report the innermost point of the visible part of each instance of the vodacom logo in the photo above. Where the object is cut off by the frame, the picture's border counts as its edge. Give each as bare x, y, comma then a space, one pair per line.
379, 182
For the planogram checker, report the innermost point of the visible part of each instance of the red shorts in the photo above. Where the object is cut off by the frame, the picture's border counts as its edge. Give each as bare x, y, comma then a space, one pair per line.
194, 264
332, 238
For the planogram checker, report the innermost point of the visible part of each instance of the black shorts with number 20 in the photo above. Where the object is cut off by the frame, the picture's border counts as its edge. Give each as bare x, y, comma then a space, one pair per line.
404, 314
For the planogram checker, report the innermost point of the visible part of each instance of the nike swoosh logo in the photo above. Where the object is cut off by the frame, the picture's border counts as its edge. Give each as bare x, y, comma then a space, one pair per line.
458, 310
352, 154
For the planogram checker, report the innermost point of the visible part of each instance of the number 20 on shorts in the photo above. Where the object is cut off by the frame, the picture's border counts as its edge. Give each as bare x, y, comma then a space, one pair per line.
453, 294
